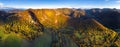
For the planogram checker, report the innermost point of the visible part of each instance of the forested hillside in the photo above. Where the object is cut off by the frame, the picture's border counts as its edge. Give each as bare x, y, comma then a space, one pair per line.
62, 27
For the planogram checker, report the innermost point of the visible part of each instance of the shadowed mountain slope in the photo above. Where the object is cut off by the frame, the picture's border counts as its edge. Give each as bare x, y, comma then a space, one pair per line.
108, 17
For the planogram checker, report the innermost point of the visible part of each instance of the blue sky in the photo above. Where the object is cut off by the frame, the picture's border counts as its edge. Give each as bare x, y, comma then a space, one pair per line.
60, 3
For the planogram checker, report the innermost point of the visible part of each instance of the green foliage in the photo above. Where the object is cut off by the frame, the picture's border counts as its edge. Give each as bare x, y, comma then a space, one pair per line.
1, 40
12, 41
78, 35
25, 29
1, 34
43, 41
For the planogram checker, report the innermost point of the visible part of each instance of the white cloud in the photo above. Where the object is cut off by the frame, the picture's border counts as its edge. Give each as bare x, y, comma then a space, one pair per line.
117, 1
1, 4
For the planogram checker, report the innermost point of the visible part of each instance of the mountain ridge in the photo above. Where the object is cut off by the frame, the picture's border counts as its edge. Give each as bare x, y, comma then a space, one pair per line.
79, 26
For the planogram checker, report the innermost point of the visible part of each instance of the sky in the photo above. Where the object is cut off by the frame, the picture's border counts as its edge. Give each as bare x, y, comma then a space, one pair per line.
60, 3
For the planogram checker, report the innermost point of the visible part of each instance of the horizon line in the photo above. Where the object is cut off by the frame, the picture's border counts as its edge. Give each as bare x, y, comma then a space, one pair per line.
60, 7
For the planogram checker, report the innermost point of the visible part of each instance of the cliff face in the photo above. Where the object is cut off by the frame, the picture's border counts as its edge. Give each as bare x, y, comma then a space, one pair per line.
63, 27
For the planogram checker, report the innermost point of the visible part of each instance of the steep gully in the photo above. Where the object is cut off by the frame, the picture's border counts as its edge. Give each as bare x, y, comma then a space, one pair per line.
40, 26
55, 34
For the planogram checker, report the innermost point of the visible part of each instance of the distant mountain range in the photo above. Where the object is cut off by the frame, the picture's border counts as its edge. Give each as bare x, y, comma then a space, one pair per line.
10, 8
